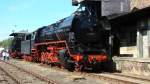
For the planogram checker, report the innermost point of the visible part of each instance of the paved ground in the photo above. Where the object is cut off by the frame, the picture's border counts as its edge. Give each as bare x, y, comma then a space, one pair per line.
60, 76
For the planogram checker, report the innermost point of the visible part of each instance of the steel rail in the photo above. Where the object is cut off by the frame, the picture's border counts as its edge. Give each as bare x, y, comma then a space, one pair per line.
93, 75
134, 77
32, 73
9, 75
102, 77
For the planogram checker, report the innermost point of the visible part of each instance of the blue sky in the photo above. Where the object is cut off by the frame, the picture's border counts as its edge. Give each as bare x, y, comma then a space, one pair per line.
31, 14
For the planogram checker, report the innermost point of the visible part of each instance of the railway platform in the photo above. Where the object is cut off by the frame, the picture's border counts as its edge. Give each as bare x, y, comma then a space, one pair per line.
135, 66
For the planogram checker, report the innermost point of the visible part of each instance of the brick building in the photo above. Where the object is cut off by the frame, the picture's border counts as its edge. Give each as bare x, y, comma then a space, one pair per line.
141, 49
133, 31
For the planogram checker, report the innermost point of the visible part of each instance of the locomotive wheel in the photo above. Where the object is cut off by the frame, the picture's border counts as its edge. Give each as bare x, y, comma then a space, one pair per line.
69, 66
108, 66
79, 68
97, 67
65, 60
51, 64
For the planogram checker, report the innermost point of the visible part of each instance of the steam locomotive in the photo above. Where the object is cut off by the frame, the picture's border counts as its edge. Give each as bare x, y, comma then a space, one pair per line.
77, 42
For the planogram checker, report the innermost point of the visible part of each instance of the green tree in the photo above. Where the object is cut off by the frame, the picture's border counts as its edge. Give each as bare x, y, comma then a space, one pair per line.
6, 43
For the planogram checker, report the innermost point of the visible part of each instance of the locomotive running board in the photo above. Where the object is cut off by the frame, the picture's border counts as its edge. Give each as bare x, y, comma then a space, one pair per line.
47, 43
55, 42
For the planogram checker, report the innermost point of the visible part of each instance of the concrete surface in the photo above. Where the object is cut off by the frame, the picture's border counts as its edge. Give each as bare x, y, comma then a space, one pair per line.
137, 66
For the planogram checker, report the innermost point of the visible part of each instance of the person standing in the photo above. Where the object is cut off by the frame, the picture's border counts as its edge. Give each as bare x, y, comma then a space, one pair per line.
1, 56
4, 54
7, 55
1, 51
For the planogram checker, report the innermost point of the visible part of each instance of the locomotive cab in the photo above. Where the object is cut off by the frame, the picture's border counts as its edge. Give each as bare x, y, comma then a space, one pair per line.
27, 46
16, 44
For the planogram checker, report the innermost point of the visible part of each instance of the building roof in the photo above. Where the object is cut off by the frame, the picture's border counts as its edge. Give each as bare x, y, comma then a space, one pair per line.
134, 15
17, 34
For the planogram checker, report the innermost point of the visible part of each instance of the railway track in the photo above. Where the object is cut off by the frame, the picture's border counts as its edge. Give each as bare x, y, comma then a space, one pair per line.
118, 78
108, 78
134, 77
112, 78
22, 76
6, 78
